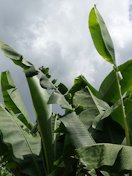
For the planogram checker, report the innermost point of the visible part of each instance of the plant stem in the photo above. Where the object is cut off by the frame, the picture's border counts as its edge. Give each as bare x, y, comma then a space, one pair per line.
122, 105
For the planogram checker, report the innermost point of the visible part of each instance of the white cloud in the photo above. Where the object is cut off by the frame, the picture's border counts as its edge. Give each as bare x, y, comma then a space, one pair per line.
55, 34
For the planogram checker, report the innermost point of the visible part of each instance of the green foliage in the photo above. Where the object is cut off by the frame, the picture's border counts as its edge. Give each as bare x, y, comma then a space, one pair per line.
101, 36
89, 137
108, 90
118, 157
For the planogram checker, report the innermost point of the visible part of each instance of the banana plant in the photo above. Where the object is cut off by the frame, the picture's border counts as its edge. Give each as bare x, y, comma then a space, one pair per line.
90, 136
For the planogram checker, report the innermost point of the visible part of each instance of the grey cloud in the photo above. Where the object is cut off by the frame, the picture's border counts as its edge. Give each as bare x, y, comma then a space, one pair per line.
55, 34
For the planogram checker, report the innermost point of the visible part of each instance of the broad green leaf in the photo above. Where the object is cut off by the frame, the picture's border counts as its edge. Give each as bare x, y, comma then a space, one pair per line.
78, 133
107, 157
117, 115
57, 98
101, 36
40, 98
108, 131
22, 142
108, 90
92, 106
43, 112
14, 56
12, 98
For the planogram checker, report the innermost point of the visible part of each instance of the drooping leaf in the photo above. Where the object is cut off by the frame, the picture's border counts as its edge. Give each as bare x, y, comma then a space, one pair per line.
46, 83
12, 98
107, 157
109, 91
57, 98
78, 133
39, 97
22, 142
32, 71
92, 106
14, 56
101, 37
107, 131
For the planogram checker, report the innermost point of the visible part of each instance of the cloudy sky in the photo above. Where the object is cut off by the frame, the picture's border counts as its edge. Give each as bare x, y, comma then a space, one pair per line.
54, 33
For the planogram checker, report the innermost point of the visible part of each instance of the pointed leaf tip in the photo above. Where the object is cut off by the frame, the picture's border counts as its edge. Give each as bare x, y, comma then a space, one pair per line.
100, 36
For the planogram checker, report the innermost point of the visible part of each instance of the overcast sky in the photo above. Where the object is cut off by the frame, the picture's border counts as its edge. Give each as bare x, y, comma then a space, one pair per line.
54, 33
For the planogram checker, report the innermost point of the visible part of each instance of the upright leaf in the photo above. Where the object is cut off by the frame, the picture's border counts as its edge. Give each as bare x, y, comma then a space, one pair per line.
101, 36
43, 111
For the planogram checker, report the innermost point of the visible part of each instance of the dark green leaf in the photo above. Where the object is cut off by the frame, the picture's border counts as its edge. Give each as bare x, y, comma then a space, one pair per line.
62, 88
108, 131
45, 70
108, 157
32, 71
54, 81
109, 91
117, 115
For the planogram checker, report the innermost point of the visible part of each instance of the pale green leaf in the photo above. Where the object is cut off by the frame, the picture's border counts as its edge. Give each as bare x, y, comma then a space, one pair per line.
22, 142
78, 133
12, 98
14, 56
92, 106
57, 98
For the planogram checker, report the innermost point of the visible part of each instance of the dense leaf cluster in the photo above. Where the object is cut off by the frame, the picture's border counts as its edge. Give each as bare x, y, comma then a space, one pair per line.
91, 134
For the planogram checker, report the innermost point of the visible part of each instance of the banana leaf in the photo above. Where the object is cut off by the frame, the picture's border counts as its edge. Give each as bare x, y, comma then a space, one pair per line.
101, 37
106, 157
12, 98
